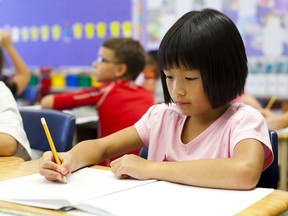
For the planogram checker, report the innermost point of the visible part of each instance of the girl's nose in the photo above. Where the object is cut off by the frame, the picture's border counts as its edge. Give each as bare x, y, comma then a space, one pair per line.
178, 88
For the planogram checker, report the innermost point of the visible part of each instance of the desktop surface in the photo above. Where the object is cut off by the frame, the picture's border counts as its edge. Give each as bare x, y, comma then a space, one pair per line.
274, 203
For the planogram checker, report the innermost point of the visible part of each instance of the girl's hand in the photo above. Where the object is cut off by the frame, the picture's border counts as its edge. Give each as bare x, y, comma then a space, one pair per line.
53, 172
131, 166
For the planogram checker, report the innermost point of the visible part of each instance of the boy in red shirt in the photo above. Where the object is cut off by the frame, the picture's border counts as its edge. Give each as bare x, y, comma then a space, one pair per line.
119, 102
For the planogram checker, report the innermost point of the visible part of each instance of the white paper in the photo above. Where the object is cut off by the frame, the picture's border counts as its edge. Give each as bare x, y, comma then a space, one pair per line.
164, 198
86, 183
99, 192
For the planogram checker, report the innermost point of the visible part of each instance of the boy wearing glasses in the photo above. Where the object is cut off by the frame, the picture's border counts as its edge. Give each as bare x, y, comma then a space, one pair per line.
119, 101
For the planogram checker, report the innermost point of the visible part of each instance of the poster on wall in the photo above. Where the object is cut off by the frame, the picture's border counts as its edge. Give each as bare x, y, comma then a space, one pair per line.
64, 32
263, 24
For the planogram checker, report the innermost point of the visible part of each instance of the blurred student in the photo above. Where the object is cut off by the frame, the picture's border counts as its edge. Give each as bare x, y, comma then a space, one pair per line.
20, 80
150, 77
119, 102
12, 135
275, 121
249, 100
197, 137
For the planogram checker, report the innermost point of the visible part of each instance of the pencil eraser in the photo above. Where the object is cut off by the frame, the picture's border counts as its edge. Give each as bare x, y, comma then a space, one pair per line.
43, 120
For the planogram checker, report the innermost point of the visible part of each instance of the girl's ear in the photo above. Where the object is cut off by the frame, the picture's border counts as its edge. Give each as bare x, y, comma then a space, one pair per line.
122, 70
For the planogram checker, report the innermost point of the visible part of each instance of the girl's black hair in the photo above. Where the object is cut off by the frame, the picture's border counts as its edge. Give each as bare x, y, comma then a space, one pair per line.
210, 42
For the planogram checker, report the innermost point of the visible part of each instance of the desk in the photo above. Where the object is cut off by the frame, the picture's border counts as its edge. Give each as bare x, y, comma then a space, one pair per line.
273, 204
282, 157
10, 160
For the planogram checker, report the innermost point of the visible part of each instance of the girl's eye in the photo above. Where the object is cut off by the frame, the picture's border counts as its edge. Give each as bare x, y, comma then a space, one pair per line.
169, 77
190, 78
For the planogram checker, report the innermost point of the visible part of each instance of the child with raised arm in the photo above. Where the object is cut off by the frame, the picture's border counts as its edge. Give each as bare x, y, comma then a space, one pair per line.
20, 79
197, 137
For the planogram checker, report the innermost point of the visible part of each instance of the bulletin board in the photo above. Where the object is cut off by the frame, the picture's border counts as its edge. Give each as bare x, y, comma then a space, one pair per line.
64, 32
263, 24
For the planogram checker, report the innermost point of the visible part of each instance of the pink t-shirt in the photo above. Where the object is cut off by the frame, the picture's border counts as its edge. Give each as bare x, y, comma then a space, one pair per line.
160, 130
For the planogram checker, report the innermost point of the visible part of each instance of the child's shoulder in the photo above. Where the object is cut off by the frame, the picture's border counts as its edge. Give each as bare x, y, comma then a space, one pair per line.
241, 109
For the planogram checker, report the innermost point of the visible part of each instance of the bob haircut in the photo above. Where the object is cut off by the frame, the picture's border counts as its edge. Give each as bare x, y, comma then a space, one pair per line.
210, 42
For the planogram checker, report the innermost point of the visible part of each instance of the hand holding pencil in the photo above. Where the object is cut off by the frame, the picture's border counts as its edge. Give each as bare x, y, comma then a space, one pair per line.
52, 146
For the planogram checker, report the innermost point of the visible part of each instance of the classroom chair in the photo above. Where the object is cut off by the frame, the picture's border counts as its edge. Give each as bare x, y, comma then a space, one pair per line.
61, 126
269, 178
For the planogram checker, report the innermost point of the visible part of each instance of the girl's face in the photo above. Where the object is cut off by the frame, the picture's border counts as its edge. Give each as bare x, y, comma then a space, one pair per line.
106, 65
186, 90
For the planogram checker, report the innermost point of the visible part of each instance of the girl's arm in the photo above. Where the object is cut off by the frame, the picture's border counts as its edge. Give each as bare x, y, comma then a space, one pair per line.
22, 76
242, 171
90, 152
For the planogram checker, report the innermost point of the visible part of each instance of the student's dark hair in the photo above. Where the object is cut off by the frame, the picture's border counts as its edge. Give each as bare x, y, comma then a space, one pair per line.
129, 52
153, 53
207, 41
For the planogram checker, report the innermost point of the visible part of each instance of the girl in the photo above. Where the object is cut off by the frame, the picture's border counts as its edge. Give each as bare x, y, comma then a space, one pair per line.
197, 137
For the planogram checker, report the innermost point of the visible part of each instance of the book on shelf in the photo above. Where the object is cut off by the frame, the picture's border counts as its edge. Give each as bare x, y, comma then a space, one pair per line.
99, 192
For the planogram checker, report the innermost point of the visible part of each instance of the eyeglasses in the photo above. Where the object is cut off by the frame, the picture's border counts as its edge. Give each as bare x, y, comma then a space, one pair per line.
100, 59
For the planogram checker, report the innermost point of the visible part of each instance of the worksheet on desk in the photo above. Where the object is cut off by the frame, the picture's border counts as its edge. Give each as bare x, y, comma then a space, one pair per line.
165, 198
35, 190
99, 192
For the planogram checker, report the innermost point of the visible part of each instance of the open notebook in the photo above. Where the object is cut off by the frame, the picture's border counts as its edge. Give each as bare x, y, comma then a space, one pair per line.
99, 192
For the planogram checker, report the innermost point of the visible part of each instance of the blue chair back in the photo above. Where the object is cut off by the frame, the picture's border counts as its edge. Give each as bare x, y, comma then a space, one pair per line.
61, 126
269, 177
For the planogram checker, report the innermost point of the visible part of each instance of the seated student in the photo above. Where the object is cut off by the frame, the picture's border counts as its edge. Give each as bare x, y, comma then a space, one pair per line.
197, 137
275, 121
150, 77
12, 135
119, 102
249, 100
20, 80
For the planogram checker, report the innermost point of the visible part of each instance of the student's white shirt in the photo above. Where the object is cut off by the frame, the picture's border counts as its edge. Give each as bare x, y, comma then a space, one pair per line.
11, 122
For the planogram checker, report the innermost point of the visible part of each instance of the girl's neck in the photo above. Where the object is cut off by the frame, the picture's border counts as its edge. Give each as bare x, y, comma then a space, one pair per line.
210, 116
195, 125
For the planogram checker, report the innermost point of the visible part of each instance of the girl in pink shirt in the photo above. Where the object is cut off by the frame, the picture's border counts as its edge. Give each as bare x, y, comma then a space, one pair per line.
197, 137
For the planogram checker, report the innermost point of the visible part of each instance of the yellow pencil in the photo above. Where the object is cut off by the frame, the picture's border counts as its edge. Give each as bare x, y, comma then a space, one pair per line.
52, 146
271, 102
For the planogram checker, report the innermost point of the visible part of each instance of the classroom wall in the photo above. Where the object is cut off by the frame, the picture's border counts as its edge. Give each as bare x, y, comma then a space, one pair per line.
263, 25
64, 32
59, 33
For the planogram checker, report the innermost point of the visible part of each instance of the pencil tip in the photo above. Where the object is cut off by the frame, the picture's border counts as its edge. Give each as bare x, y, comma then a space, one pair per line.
64, 179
